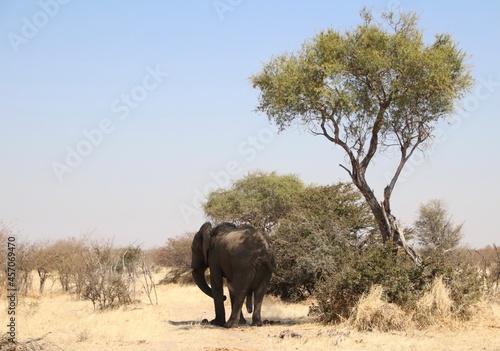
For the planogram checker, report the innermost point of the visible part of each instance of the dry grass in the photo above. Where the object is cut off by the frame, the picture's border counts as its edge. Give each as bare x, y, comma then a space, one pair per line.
174, 324
435, 307
373, 314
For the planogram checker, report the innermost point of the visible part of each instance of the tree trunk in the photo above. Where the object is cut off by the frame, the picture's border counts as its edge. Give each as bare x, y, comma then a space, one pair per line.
42, 273
377, 210
386, 222
397, 235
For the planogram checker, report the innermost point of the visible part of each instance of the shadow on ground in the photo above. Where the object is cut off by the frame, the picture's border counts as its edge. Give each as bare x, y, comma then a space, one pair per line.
267, 322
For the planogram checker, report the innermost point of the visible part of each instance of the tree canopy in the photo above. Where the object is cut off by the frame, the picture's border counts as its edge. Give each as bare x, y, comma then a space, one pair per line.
260, 199
265, 200
368, 90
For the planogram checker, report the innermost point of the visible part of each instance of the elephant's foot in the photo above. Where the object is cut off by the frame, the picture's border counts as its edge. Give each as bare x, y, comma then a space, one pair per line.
243, 321
257, 323
217, 322
233, 323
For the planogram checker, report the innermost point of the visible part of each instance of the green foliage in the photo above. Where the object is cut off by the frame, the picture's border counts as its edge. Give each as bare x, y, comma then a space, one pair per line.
459, 274
303, 251
368, 90
343, 286
336, 205
324, 225
404, 283
345, 80
310, 226
260, 199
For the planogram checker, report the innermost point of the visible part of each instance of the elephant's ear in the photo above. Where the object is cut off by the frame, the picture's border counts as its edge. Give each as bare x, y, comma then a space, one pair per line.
206, 233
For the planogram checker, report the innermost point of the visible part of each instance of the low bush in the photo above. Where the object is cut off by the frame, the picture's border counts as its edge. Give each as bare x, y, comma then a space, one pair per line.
404, 283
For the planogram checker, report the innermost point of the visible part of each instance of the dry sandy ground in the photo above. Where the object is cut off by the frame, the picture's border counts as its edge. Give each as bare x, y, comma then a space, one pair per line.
174, 324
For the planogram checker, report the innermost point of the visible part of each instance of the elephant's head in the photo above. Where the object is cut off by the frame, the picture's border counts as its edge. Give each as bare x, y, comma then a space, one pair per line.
199, 263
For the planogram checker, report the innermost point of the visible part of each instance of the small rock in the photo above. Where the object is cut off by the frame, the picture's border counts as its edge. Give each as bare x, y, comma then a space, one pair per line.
290, 334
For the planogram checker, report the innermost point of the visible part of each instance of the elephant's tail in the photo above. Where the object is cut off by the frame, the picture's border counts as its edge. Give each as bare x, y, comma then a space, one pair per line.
249, 303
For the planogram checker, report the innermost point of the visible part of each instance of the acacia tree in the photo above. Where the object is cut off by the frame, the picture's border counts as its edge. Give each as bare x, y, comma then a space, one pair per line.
368, 90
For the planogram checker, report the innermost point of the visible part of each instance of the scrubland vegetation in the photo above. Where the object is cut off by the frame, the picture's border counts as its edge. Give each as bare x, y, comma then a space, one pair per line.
333, 272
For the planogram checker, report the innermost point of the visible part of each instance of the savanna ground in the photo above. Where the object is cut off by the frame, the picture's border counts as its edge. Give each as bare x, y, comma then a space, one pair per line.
175, 324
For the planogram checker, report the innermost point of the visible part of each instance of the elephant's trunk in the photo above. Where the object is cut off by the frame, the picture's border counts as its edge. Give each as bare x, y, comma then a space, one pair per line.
199, 279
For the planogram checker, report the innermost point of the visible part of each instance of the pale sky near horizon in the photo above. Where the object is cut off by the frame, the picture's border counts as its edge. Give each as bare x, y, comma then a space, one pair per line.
117, 117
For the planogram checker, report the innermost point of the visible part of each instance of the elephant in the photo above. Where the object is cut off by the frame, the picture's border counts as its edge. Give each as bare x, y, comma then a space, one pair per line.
244, 256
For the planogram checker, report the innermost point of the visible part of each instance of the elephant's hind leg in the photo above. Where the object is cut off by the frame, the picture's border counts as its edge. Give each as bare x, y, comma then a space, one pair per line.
241, 286
242, 321
258, 296
236, 313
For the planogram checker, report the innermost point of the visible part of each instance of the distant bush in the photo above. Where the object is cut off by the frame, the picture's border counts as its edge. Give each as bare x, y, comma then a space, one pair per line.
105, 284
487, 261
69, 263
176, 256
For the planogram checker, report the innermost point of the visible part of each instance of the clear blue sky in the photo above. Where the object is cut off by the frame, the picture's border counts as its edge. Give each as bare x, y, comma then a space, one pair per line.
117, 116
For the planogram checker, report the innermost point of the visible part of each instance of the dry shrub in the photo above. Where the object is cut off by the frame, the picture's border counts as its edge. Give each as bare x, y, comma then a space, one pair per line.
437, 301
372, 313
435, 307
481, 313
27, 345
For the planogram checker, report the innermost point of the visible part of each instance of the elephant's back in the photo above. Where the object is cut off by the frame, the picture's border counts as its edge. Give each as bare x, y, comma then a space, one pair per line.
248, 242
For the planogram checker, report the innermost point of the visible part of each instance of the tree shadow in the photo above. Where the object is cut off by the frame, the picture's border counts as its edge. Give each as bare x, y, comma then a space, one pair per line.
266, 323
288, 321
188, 325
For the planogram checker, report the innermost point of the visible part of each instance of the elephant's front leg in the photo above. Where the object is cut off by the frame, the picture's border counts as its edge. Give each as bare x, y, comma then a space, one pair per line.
218, 296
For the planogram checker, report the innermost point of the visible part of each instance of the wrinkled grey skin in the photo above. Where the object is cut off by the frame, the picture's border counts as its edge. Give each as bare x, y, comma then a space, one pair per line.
245, 257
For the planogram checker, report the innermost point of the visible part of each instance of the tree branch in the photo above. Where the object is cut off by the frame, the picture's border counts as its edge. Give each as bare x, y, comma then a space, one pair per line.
344, 167
398, 237
404, 158
377, 126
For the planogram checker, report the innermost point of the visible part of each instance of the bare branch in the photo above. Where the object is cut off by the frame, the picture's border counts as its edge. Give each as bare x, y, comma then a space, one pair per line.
347, 170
